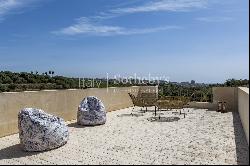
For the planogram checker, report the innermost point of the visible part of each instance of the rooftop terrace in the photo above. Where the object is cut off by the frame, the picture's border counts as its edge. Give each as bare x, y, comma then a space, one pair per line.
203, 137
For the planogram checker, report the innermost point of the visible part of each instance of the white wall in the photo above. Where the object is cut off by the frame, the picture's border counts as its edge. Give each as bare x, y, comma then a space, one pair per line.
243, 107
228, 95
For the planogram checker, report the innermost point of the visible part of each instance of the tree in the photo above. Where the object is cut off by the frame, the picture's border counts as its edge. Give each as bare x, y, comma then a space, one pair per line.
235, 83
20, 80
7, 80
3, 88
12, 87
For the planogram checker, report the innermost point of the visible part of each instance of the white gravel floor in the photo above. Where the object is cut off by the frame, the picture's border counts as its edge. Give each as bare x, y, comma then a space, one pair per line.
203, 137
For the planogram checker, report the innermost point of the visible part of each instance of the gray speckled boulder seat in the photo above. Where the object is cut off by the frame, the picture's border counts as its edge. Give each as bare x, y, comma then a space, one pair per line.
39, 131
91, 112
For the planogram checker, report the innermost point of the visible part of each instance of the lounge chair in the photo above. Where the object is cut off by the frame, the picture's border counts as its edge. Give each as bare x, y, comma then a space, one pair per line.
149, 94
137, 102
173, 102
147, 97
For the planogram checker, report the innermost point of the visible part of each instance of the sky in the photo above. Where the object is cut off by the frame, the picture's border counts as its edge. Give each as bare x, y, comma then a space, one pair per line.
182, 40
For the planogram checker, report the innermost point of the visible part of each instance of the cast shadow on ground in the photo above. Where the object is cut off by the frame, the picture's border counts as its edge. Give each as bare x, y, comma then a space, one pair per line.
15, 151
131, 115
242, 148
75, 125
163, 119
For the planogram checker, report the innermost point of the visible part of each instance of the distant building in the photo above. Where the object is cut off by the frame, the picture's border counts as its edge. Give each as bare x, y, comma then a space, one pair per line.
184, 83
174, 83
192, 82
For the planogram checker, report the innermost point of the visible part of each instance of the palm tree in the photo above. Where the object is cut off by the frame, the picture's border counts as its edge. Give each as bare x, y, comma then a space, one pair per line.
52, 72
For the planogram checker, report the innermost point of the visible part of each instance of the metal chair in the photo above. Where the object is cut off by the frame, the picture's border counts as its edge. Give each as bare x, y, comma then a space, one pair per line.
137, 102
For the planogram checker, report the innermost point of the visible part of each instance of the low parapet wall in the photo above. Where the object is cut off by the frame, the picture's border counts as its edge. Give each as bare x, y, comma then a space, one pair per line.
228, 95
237, 99
203, 105
63, 103
243, 107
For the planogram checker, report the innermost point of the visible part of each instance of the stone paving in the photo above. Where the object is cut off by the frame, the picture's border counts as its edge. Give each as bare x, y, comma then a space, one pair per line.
202, 137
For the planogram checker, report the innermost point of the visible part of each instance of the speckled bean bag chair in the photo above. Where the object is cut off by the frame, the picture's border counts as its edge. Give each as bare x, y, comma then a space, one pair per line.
91, 112
39, 131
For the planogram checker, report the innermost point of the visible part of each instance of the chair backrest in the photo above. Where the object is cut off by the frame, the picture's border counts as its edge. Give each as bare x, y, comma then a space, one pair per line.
167, 98
149, 99
175, 102
132, 97
183, 99
149, 95
135, 100
147, 89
